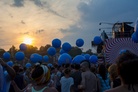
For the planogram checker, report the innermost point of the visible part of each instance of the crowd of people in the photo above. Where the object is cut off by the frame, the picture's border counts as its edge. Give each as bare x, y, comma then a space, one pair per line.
120, 76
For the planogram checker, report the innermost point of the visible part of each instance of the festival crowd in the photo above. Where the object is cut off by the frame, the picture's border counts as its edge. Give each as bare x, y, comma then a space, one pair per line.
119, 76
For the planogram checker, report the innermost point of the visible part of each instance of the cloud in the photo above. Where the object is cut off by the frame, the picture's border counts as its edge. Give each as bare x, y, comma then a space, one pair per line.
46, 5
18, 3
93, 12
106, 10
38, 3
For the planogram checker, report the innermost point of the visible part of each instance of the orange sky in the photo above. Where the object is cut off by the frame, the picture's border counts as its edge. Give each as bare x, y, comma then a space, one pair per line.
68, 20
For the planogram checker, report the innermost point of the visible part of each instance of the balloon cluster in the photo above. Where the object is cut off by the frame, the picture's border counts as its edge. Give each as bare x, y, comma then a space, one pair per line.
64, 57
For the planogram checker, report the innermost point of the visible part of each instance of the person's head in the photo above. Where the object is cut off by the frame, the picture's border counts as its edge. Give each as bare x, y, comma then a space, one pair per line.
107, 65
102, 71
127, 71
53, 70
113, 71
72, 66
85, 65
77, 66
67, 71
40, 74
93, 68
125, 56
127, 64
16, 68
67, 65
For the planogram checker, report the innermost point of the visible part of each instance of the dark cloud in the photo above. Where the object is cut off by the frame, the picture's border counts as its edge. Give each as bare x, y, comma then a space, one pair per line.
38, 3
55, 13
96, 11
107, 10
18, 3
45, 5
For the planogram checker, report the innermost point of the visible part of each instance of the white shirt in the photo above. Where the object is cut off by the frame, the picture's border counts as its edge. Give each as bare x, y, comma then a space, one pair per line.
66, 83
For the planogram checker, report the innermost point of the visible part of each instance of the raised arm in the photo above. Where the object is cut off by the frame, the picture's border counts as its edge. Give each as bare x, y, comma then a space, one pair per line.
9, 69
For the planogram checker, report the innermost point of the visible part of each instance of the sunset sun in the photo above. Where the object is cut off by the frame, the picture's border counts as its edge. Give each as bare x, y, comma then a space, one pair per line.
27, 41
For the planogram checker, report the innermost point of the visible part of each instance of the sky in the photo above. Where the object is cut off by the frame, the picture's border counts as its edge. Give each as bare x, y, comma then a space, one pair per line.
67, 20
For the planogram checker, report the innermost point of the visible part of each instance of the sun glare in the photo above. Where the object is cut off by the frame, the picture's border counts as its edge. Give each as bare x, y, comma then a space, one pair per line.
28, 41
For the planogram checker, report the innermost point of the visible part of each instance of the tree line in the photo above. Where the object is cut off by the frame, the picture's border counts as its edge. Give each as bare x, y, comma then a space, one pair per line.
43, 51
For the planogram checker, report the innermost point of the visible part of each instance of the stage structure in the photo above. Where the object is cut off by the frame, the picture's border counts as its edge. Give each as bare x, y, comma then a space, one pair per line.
113, 42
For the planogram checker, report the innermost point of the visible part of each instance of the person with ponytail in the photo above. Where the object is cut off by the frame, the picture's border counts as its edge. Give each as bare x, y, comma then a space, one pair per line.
103, 78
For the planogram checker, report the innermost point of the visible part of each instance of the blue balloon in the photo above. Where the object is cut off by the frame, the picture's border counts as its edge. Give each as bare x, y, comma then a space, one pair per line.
93, 59
10, 63
134, 37
87, 56
79, 42
35, 57
97, 40
19, 56
50, 65
6, 55
51, 51
78, 59
56, 43
122, 51
28, 65
45, 58
64, 59
62, 51
23, 47
66, 47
